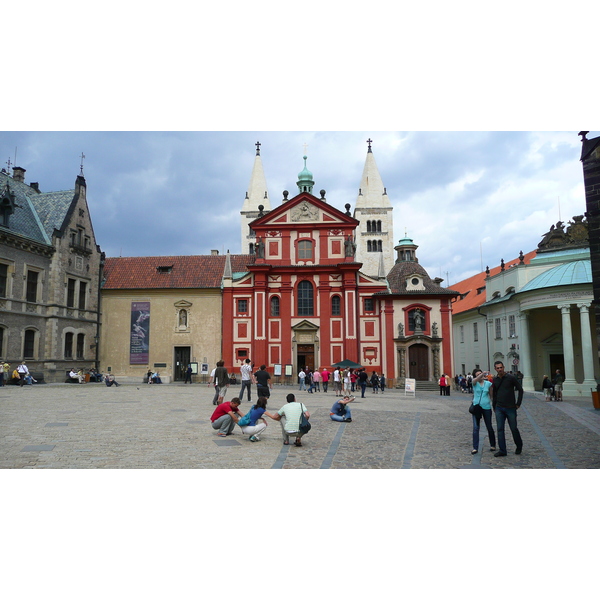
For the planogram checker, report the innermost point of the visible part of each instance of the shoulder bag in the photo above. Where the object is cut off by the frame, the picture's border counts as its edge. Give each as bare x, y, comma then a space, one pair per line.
304, 426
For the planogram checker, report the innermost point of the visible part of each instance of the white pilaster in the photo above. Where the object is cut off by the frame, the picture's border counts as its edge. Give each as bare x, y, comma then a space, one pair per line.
586, 345
524, 352
567, 334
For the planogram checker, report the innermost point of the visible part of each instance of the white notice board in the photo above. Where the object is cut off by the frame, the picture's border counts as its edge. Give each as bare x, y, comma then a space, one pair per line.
410, 386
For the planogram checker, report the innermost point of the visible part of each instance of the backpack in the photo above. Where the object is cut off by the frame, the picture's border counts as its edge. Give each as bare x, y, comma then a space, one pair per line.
245, 420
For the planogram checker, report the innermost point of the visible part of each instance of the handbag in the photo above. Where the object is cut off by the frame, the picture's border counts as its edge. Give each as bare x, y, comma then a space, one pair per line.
475, 409
304, 426
245, 420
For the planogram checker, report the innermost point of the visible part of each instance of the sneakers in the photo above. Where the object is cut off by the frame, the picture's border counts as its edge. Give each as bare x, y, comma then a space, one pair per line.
253, 438
347, 420
473, 451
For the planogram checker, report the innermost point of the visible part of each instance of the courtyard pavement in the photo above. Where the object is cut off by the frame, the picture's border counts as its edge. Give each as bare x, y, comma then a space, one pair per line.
69, 426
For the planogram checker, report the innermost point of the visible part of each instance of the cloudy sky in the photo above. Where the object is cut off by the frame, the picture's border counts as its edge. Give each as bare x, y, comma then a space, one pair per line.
466, 198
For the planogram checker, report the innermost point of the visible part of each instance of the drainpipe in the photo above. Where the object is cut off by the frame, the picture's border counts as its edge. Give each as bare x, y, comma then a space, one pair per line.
487, 337
100, 277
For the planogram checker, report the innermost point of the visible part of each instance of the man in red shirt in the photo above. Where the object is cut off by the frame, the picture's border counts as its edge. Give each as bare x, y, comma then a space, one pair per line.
226, 415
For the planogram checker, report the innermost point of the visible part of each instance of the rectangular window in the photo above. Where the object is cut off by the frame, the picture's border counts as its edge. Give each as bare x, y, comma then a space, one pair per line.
242, 306
29, 344
512, 330
305, 250
462, 335
82, 294
369, 305
475, 333
71, 293
80, 345
32, 286
498, 327
3, 280
69, 345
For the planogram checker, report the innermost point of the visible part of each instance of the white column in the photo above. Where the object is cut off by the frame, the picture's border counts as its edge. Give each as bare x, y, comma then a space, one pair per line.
525, 352
568, 353
586, 345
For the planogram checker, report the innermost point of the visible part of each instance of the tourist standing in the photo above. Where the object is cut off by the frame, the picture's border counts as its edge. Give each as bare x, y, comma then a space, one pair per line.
505, 407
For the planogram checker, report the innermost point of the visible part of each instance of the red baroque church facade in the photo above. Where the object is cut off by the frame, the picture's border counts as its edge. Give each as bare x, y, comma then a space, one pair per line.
303, 301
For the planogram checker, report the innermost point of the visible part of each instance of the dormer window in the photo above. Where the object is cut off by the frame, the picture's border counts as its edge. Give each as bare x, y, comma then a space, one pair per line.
415, 282
165, 269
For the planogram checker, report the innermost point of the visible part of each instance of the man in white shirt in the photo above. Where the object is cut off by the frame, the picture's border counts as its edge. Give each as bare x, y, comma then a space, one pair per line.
22, 370
247, 379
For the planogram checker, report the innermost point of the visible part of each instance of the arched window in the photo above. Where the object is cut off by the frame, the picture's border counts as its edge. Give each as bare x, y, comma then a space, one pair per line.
68, 345
368, 226
369, 246
378, 225
80, 345
305, 250
336, 306
379, 246
275, 306
305, 299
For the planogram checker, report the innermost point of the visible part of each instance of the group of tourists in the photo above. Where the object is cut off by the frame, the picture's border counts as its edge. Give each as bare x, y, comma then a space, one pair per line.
19, 376
345, 381
497, 395
293, 416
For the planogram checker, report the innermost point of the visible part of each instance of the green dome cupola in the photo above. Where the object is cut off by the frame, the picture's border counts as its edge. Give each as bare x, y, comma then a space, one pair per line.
305, 179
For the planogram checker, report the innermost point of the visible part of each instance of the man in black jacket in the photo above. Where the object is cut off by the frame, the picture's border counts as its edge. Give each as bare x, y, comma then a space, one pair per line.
506, 407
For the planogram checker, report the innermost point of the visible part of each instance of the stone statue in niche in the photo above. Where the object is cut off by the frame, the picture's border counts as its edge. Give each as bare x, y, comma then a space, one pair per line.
434, 330
183, 320
418, 318
400, 330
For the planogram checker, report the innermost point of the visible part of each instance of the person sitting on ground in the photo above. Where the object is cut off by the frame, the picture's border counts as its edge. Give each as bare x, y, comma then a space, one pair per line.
340, 411
29, 380
257, 424
225, 416
156, 378
289, 415
16, 378
110, 380
149, 376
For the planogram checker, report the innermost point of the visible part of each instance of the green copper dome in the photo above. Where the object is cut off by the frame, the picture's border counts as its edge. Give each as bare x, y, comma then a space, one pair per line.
305, 179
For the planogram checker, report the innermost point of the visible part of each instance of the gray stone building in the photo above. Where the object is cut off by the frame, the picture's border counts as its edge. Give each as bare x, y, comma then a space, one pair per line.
50, 269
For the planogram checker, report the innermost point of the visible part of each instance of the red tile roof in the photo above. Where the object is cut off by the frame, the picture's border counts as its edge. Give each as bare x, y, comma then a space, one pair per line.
170, 272
472, 299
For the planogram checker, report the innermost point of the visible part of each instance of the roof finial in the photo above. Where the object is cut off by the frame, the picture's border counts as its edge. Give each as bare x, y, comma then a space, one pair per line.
8, 163
369, 141
81, 165
258, 145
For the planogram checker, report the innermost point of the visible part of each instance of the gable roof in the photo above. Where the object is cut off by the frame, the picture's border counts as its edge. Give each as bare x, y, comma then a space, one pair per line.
275, 216
170, 272
468, 288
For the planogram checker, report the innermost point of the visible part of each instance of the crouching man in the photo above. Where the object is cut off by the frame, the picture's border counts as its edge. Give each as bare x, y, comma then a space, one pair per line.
226, 415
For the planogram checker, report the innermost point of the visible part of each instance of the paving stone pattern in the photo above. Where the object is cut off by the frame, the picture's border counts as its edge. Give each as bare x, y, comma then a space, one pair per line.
61, 426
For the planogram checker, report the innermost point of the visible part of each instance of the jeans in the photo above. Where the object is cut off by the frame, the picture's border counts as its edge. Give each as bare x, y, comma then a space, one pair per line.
224, 424
347, 415
487, 418
510, 414
302, 385
363, 387
325, 386
246, 384
216, 398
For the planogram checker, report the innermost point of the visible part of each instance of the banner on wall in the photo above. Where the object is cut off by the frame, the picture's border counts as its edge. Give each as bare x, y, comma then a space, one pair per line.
139, 343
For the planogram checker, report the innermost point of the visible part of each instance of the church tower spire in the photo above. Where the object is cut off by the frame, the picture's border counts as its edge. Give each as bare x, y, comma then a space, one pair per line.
257, 195
375, 234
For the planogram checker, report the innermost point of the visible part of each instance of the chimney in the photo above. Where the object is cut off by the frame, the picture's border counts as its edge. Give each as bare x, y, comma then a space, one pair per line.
19, 174
214, 252
36, 186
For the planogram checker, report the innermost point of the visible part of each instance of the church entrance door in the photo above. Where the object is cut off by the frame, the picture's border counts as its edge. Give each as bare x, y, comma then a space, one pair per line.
306, 357
182, 360
418, 359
